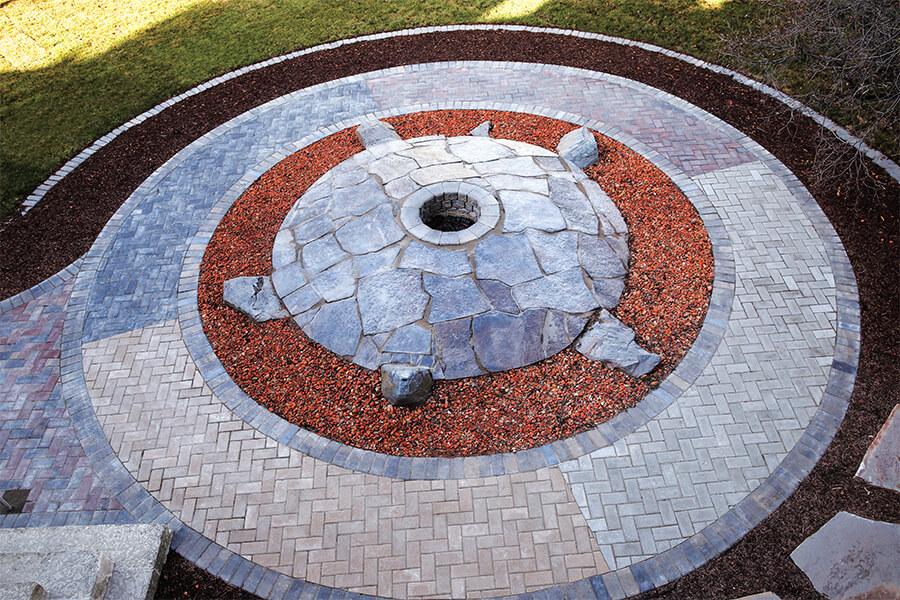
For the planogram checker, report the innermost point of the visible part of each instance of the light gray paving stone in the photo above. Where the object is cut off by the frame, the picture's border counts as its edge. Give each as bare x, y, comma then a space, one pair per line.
411, 339
288, 278
579, 146
608, 291
576, 208
23, 591
508, 259
598, 258
255, 297
390, 300
137, 551
478, 150
302, 299
320, 254
519, 166
528, 210
284, 252
535, 185
337, 282
565, 291
881, 464
312, 229
439, 261
367, 354
612, 220
370, 232
442, 172
762, 596
356, 200
453, 298
554, 251
434, 157
337, 327
391, 167
482, 130
376, 262
851, 557
64, 574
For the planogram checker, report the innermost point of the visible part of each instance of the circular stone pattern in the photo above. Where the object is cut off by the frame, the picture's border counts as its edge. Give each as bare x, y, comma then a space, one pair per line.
464, 254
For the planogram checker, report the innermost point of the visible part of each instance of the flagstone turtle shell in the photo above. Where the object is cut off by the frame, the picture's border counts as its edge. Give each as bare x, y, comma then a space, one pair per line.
465, 254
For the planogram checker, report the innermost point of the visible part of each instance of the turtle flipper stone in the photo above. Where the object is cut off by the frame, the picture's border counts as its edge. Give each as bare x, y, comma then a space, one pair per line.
376, 132
483, 130
612, 342
255, 297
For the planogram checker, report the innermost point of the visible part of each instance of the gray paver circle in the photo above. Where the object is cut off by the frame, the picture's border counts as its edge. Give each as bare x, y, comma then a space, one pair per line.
781, 474
364, 275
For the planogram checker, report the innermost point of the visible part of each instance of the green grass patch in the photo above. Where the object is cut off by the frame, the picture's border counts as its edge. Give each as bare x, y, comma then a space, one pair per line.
72, 70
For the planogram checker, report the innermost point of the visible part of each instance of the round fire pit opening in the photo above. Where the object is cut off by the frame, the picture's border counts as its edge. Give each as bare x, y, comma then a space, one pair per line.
450, 212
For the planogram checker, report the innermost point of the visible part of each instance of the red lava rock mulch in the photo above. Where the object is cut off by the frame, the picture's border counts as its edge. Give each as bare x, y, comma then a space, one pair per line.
665, 300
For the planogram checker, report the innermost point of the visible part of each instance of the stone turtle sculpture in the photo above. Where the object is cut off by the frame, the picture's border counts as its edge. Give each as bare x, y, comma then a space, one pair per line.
460, 255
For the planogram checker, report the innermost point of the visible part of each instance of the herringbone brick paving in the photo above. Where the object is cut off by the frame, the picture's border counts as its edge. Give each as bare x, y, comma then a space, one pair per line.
39, 450
728, 432
309, 519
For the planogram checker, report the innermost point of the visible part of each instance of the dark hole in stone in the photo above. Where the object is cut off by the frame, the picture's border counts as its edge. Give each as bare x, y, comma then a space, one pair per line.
13, 501
450, 212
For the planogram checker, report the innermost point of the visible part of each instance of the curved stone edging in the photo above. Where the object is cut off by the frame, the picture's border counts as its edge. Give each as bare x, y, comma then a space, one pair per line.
876, 156
645, 575
51, 283
434, 468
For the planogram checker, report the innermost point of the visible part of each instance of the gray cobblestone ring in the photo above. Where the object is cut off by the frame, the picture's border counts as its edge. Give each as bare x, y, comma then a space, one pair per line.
466, 255
165, 436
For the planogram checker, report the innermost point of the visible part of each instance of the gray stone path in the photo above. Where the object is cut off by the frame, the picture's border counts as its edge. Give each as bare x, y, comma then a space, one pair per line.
736, 439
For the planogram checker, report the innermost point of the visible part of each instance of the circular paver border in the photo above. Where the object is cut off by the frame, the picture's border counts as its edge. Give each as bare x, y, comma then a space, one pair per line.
638, 577
436, 468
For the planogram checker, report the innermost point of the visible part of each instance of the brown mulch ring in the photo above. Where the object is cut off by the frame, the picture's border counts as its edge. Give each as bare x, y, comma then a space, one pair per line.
665, 299
867, 218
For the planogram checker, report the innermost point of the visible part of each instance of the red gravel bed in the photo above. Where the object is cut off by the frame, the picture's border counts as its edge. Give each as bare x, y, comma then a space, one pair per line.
665, 300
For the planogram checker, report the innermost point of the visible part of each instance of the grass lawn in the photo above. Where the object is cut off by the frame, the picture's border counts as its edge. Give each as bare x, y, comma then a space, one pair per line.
71, 70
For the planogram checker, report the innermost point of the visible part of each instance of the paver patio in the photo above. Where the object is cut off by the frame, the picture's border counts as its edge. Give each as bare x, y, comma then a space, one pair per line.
121, 412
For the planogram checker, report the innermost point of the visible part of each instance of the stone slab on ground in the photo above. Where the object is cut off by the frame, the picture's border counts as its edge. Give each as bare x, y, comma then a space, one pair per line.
851, 557
579, 147
612, 342
67, 561
881, 464
255, 297
762, 596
